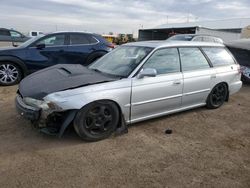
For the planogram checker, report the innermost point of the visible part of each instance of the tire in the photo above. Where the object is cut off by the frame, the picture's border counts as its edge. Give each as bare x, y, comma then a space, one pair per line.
97, 120
93, 57
217, 96
10, 74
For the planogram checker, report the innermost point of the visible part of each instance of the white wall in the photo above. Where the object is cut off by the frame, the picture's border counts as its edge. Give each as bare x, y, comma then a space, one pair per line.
225, 36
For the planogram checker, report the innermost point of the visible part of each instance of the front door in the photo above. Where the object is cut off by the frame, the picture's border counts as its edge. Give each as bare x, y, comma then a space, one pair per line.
155, 96
53, 53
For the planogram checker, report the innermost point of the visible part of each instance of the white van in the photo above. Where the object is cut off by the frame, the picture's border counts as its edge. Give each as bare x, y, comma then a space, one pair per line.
35, 33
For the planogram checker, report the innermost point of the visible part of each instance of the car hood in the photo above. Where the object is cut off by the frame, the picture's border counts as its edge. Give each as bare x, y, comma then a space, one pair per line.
58, 78
9, 50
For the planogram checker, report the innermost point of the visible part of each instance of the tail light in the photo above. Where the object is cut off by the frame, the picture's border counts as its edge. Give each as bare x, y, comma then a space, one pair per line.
110, 45
241, 69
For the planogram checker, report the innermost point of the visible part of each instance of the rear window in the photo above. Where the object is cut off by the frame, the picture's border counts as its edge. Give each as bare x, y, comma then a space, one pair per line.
208, 39
219, 56
182, 37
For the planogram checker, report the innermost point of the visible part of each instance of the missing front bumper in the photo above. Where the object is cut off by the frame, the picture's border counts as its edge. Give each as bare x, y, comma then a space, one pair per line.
54, 123
28, 112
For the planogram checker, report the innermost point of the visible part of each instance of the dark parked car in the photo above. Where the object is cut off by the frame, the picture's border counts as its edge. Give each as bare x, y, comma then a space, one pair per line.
44, 51
241, 51
196, 37
11, 37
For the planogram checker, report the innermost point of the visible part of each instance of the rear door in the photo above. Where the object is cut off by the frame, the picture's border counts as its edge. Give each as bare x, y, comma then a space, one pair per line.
155, 96
197, 75
80, 46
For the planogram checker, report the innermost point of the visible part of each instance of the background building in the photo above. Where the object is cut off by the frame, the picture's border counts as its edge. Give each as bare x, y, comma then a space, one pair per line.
228, 29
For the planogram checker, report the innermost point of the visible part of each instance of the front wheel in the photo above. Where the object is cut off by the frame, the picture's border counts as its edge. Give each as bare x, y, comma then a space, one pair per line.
217, 96
10, 74
97, 120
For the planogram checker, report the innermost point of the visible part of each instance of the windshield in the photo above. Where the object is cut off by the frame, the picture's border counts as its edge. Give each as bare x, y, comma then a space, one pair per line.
30, 41
121, 61
182, 37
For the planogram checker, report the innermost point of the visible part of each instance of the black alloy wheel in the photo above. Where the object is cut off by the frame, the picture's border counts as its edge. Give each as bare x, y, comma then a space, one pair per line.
217, 96
97, 121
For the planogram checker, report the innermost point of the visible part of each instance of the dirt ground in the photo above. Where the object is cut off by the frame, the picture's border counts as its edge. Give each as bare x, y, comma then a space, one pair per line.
208, 148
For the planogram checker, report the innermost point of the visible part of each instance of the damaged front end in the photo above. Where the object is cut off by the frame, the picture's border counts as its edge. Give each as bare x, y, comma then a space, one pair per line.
45, 115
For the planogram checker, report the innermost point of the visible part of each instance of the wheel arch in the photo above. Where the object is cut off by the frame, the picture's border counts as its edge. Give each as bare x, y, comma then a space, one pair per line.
121, 115
94, 54
227, 99
17, 62
122, 125
223, 82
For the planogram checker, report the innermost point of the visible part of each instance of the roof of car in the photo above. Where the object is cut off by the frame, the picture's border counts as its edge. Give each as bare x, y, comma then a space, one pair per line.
166, 43
194, 35
84, 32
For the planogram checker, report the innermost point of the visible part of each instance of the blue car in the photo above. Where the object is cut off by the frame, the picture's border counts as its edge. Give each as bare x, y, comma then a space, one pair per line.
44, 51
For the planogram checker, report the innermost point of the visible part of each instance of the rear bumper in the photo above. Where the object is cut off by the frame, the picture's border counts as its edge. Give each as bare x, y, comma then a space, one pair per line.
235, 87
28, 112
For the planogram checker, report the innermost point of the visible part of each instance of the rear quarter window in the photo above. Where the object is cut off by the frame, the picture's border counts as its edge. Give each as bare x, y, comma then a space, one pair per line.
79, 39
92, 40
219, 56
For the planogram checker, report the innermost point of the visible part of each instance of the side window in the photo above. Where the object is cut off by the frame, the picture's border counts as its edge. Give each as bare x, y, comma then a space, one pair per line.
76, 39
92, 40
164, 61
15, 34
218, 56
4, 33
192, 59
55, 40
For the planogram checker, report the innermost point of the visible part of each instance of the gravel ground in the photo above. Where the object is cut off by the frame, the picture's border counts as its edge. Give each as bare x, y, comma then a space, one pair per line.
208, 148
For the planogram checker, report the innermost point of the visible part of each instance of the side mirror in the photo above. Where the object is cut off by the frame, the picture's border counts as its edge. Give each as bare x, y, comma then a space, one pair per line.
40, 46
14, 44
147, 72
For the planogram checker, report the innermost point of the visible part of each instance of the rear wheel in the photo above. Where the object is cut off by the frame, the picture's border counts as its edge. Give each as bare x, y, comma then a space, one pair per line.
217, 96
97, 120
10, 74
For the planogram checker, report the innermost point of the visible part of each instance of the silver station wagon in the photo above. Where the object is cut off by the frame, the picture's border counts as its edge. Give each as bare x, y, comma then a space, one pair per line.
134, 82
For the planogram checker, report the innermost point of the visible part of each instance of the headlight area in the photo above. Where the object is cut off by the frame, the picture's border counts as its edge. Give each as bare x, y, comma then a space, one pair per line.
46, 106
52, 119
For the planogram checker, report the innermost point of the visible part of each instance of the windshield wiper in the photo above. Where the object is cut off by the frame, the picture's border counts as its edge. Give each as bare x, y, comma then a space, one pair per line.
108, 74
97, 70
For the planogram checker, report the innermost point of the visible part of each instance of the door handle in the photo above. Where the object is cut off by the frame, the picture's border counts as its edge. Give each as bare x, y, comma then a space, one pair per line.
177, 82
213, 76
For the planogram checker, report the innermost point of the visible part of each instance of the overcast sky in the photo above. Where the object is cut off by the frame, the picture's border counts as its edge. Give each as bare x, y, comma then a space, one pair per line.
118, 16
